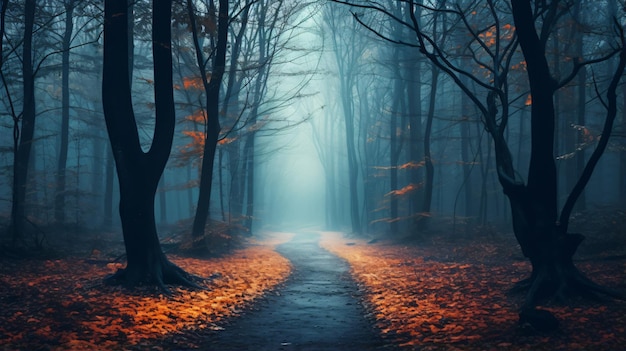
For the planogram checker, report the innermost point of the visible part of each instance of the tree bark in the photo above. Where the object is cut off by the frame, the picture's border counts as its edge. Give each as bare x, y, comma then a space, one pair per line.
59, 201
23, 137
543, 238
212, 88
138, 171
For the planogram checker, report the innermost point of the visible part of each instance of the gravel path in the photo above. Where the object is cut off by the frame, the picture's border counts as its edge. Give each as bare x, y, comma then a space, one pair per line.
317, 308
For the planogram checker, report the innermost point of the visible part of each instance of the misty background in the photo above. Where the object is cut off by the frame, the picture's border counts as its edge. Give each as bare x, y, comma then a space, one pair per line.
340, 125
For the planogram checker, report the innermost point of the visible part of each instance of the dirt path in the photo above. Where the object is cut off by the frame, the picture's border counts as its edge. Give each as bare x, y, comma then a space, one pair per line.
316, 309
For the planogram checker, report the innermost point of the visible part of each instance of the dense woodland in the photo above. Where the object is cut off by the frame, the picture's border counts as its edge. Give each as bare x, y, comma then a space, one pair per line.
200, 118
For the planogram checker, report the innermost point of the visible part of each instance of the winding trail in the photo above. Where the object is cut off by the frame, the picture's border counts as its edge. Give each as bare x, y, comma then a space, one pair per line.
317, 308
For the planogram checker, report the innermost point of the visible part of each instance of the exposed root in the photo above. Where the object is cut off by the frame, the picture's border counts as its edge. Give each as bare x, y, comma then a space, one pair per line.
558, 282
160, 275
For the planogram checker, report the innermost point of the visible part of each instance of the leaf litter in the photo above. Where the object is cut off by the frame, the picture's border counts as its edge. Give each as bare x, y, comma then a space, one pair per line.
456, 296
63, 305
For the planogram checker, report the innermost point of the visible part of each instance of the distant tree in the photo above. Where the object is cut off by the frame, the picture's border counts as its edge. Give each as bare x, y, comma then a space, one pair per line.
4, 5
348, 50
59, 203
138, 171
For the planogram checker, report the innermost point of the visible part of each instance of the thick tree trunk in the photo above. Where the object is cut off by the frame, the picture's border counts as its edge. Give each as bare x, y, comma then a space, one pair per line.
535, 205
543, 238
138, 171
109, 171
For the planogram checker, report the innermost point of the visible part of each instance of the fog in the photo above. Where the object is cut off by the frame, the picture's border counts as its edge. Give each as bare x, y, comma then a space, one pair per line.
327, 122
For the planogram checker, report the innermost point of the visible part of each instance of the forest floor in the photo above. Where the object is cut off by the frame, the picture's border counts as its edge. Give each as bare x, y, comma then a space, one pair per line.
442, 292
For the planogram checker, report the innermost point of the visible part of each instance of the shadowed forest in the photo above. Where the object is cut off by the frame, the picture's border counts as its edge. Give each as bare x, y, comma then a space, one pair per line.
312, 175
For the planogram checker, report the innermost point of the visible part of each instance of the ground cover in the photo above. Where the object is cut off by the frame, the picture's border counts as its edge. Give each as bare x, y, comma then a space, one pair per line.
61, 304
444, 295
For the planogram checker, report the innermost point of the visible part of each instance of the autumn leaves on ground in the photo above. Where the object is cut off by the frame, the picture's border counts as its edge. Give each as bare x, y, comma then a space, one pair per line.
62, 304
433, 295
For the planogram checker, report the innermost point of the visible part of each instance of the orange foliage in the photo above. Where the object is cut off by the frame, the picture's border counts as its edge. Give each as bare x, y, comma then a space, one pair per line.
519, 66
406, 190
456, 305
61, 304
412, 165
226, 140
408, 165
529, 100
197, 117
196, 145
193, 83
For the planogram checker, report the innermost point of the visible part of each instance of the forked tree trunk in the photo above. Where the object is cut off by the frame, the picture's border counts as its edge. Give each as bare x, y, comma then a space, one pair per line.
542, 236
138, 171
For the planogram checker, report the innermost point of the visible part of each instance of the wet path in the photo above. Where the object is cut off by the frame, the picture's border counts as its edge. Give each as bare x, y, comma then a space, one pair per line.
316, 309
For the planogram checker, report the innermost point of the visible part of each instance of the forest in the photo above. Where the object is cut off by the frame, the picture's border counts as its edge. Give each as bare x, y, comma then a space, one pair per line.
312, 175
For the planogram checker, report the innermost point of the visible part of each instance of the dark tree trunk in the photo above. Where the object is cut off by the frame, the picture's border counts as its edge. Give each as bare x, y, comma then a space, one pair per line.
162, 201
622, 154
3, 12
138, 171
212, 89
23, 137
108, 188
59, 201
544, 238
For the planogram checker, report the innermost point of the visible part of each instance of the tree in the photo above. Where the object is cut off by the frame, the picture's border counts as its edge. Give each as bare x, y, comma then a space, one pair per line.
3, 11
23, 137
212, 89
347, 53
138, 171
59, 206
542, 235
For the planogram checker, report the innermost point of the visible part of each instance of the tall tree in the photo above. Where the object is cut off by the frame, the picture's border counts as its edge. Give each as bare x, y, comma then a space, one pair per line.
347, 51
212, 86
138, 171
542, 233
59, 205
23, 137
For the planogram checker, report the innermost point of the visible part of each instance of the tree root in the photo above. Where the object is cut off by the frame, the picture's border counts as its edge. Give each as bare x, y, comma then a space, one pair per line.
556, 283
160, 274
